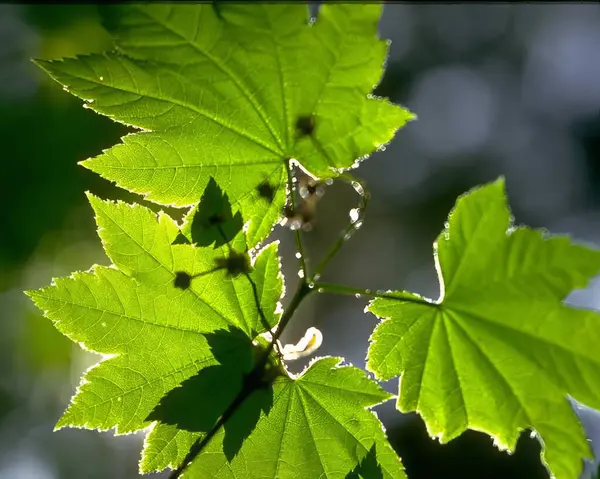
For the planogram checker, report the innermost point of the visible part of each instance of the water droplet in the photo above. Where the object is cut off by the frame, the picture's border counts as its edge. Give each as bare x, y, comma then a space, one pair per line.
298, 255
101, 78
358, 188
316, 277
65, 88
329, 182
85, 105
320, 290
357, 295
353, 213
311, 285
301, 273
104, 325
358, 224
367, 291
347, 236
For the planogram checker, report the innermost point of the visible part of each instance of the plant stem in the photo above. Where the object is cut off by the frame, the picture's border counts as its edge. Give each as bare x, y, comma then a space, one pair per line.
354, 224
250, 385
297, 233
350, 290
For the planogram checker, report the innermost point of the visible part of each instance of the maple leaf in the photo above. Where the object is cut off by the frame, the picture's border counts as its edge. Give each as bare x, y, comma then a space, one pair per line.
154, 332
313, 425
179, 353
499, 351
234, 93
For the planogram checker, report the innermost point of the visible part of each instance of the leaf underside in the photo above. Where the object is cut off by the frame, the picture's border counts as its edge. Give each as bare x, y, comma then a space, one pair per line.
224, 93
177, 356
499, 351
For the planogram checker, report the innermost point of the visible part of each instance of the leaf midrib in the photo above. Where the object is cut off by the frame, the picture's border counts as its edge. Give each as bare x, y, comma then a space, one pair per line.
202, 300
225, 70
482, 318
121, 316
136, 388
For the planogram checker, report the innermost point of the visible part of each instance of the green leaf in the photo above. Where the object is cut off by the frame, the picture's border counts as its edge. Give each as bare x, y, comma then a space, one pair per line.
499, 351
233, 94
317, 426
216, 387
212, 221
176, 357
155, 333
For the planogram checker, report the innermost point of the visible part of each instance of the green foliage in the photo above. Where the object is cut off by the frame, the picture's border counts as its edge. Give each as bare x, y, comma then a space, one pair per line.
228, 94
188, 315
499, 351
156, 332
314, 425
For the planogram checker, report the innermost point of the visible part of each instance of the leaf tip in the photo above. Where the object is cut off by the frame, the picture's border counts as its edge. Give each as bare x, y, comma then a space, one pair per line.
500, 182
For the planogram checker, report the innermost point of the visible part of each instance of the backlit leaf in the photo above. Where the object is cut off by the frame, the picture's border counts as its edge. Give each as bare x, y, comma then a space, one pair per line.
499, 351
233, 93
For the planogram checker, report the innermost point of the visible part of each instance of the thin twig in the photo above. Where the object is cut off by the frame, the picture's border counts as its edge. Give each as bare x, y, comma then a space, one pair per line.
261, 313
350, 290
353, 226
251, 383
297, 233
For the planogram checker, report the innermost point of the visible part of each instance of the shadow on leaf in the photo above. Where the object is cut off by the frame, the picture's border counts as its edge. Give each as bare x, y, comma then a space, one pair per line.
368, 468
214, 221
199, 401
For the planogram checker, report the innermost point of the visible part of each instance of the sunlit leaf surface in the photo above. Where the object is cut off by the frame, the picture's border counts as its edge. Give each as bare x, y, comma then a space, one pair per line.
500, 351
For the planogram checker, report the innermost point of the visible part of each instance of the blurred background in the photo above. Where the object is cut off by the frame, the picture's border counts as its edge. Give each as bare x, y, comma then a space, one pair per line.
508, 90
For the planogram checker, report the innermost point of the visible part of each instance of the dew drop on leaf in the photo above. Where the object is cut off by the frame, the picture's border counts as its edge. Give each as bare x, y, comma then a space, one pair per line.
298, 255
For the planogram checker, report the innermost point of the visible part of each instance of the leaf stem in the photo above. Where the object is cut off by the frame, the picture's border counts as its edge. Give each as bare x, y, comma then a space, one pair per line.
297, 233
350, 290
356, 221
261, 313
251, 383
